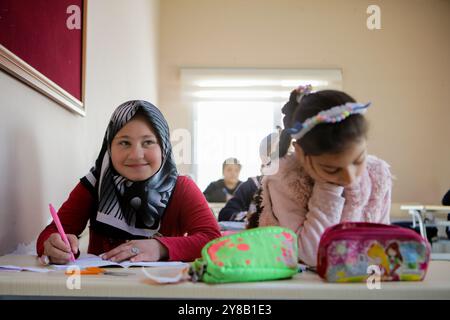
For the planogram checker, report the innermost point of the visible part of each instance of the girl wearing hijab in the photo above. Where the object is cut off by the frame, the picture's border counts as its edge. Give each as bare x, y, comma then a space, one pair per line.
138, 207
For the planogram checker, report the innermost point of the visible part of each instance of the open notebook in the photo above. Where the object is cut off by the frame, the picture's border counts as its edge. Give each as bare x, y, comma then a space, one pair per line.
90, 260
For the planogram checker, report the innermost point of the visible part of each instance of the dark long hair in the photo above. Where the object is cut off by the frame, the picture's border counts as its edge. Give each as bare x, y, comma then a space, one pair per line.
325, 137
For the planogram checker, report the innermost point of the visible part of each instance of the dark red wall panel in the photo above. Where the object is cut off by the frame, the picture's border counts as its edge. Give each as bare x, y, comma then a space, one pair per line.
36, 31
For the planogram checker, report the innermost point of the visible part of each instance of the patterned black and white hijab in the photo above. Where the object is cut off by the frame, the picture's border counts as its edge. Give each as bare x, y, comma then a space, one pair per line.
135, 208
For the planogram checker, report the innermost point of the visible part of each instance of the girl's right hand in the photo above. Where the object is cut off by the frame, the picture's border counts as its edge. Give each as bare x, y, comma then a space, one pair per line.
308, 165
57, 251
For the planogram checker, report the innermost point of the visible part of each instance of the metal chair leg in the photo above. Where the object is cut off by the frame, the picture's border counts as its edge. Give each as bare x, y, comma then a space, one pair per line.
417, 215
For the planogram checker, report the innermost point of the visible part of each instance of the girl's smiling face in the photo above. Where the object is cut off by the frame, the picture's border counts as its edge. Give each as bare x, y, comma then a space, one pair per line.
135, 150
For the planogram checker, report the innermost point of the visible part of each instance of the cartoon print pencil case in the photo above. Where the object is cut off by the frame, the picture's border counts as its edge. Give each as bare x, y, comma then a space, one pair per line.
264, 253
353, 251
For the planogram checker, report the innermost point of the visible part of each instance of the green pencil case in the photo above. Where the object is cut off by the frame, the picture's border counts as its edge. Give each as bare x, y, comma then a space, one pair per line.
264, 253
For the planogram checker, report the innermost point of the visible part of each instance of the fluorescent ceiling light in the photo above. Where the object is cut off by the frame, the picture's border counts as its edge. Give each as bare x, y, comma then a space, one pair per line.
296, 83
247, 94
234, 83
220, 83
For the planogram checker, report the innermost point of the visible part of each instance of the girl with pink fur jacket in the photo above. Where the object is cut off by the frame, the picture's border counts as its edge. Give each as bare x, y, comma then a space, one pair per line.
329, 178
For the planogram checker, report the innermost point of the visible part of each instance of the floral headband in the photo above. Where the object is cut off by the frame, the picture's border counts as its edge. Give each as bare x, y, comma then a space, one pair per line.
333, 115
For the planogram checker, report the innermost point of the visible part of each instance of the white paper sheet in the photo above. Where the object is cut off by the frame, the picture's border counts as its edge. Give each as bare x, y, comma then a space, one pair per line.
90, 260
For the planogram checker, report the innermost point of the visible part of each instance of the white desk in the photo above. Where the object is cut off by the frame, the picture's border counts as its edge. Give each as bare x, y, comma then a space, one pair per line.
306, 285
424, 213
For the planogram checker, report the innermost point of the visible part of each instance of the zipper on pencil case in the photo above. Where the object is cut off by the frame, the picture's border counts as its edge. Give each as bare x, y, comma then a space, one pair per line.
354, 232
369, 234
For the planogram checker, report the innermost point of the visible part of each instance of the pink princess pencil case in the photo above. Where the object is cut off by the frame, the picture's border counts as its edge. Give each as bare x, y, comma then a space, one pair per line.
352, 251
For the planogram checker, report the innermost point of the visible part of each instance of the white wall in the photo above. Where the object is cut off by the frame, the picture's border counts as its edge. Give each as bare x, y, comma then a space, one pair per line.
404, 68
45, 148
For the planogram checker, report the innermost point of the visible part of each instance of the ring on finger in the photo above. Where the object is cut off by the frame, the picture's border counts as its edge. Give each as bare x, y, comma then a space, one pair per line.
135, 251
44, 260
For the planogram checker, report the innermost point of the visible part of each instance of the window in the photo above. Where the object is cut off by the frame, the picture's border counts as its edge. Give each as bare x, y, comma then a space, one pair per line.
234, 109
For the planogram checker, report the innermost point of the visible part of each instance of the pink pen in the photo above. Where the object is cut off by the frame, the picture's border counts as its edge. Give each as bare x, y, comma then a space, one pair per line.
61, 230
